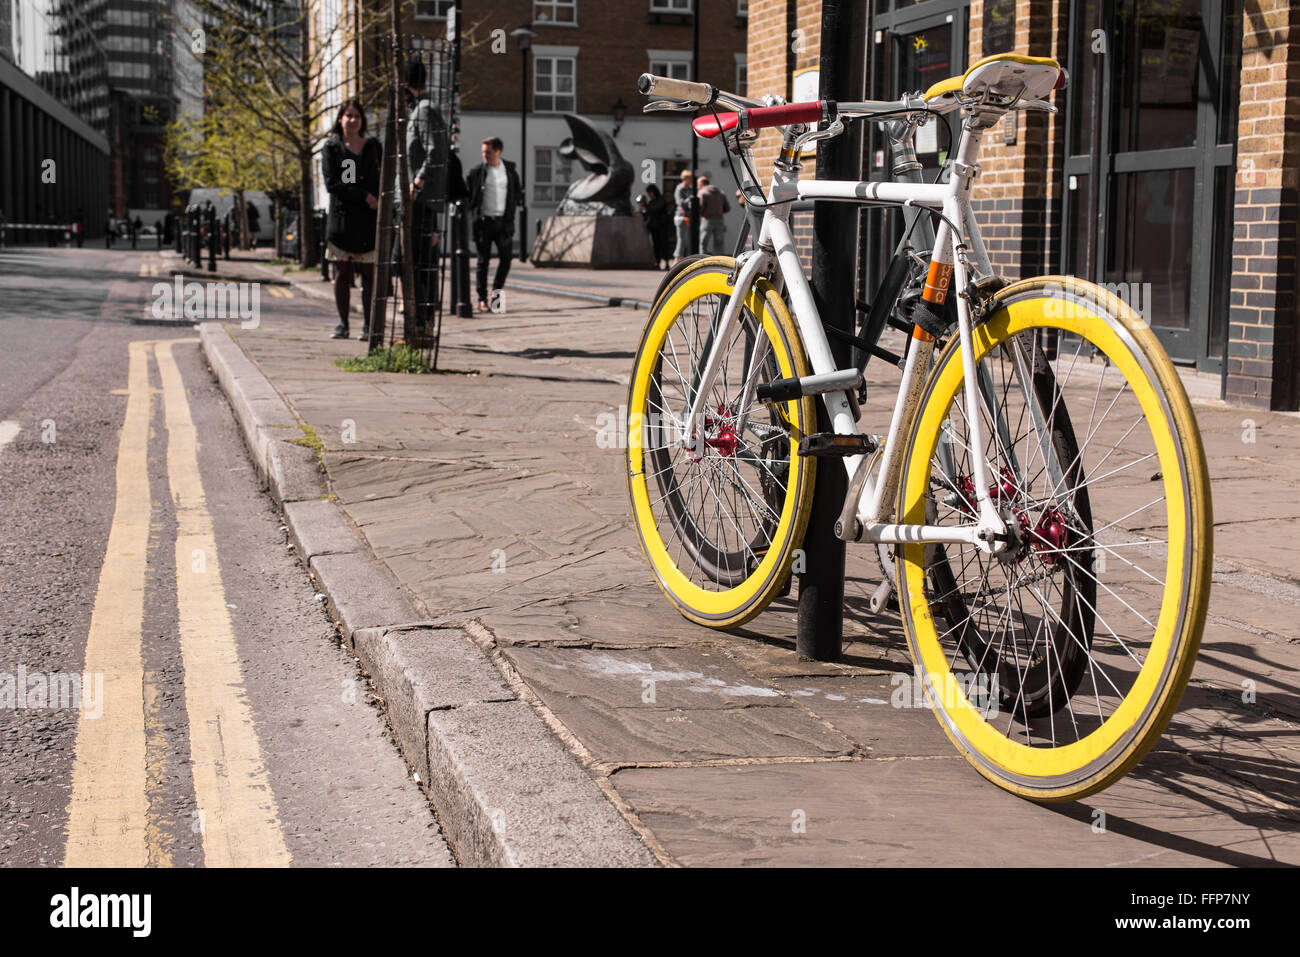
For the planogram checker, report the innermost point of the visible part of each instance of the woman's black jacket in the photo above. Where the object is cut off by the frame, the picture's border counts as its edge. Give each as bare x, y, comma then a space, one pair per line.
351, 225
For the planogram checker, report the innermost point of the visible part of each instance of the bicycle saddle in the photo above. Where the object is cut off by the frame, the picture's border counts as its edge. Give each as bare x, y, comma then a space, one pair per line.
1004, 74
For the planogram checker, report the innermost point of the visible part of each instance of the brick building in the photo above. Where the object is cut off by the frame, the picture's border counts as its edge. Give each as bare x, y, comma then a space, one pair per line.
585, 58
1170, 170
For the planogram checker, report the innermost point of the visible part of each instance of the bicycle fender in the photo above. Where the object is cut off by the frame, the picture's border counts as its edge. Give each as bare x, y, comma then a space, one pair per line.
686, 263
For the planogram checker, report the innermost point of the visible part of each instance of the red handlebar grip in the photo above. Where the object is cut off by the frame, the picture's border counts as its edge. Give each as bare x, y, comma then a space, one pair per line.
761, 117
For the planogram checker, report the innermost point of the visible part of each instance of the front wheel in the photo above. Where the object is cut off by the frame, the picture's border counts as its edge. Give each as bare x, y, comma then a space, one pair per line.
1056, 663
718, 515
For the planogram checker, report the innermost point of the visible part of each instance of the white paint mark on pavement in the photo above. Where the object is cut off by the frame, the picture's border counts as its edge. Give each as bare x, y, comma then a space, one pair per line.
8, 430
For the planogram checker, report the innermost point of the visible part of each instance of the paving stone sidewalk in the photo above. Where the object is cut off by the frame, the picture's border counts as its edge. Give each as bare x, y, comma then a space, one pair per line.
485, 491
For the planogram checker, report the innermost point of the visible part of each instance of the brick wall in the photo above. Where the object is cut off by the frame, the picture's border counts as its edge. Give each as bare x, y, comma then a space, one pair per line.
1018, 201
1262, 309
612, 36
775, 53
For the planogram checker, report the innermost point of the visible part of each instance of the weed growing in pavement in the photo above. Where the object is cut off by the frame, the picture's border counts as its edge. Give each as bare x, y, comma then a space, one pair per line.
311, 440
398, 358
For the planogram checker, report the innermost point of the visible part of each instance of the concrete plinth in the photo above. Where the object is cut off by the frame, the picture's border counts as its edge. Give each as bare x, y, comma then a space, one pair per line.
594, 242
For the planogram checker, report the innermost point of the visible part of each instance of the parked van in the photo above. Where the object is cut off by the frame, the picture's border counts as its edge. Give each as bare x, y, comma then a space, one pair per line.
224, 200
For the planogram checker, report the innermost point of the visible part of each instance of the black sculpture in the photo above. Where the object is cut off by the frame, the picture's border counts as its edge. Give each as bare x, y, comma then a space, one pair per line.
604, 190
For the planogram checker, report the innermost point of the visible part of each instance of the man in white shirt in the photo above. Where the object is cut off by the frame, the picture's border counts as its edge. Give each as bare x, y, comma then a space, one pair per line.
494, 196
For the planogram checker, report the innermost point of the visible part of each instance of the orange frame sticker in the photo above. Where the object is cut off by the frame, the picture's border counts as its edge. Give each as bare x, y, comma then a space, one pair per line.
937, 282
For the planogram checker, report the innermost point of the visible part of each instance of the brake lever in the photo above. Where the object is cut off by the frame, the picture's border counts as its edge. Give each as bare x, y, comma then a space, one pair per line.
676, 106
813, 136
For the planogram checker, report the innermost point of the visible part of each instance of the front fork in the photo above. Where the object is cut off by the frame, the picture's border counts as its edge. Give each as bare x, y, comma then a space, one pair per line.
948, 269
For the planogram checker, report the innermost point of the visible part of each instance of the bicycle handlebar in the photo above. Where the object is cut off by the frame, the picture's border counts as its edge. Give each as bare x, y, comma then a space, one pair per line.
762, 117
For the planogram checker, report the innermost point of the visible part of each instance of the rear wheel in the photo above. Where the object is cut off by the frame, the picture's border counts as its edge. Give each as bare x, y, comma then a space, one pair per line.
718, 517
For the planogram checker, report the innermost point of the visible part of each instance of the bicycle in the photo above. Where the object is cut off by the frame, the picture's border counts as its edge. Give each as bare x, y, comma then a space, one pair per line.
1051, 557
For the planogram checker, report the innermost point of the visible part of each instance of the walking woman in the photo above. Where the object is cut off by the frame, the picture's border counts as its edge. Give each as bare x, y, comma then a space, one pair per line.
351, 165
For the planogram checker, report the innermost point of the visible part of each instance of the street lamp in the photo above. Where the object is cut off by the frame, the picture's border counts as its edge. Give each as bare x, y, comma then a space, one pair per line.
525, 37
619, 109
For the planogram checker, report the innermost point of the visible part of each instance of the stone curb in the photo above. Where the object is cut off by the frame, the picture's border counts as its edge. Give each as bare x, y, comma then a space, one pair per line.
508, 793
288, 470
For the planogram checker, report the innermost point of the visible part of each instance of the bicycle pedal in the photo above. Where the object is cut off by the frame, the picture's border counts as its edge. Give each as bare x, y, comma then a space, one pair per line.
833, 445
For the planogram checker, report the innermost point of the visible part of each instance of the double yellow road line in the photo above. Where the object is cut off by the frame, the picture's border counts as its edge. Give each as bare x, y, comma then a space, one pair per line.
109, 818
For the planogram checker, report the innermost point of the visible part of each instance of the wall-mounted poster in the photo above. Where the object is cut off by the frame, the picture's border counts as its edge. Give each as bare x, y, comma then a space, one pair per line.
805, 86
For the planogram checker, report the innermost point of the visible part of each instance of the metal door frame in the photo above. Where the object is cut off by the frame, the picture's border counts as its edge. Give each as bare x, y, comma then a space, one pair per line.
1193, 345
904, 20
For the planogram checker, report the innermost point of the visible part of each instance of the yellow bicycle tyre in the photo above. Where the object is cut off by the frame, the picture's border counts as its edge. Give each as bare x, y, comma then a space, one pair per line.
1097, 759
731, 603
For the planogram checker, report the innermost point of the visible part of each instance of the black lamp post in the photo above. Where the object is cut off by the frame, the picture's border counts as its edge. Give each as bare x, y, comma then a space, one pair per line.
525, 37
619, 109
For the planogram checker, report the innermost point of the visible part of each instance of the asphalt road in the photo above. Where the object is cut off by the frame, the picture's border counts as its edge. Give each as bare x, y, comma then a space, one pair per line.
219, 721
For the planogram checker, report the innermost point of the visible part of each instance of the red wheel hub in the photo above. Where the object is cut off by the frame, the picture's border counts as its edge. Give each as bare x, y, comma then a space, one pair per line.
1050, 536
1047, 539
725, 440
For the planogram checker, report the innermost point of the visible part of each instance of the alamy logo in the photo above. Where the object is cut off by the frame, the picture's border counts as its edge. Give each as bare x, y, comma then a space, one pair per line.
208, 300
1059, 305
103, 910
36, 690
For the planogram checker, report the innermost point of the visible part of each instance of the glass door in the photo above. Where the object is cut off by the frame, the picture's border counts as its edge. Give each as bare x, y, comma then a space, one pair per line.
914, 46
1150, 147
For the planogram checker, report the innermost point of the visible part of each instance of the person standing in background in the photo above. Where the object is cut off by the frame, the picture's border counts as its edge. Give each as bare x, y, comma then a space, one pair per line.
494, 195
254, 222
659, 225
713, 227
350, 161
428, 144
684, 197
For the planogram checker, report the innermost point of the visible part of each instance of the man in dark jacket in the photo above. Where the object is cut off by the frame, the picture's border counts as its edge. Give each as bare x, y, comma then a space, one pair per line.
428, 144
494, 196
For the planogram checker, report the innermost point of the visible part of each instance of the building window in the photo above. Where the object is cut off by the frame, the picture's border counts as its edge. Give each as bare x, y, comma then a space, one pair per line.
552, 174
433, 9
553, 84
671, 6
742, 75
671, 63
742, 8
556, 11
676, 69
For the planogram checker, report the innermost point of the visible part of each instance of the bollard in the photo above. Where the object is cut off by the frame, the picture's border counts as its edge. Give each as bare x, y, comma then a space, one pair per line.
214, 240
456, 253
460, 227
319, 219
821, 586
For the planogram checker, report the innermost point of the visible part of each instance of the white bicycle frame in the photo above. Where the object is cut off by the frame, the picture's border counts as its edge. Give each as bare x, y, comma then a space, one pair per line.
775, 255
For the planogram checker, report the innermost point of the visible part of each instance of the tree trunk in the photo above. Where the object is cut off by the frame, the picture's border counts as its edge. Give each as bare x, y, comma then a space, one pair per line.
306, 216
240, 219
410, 333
